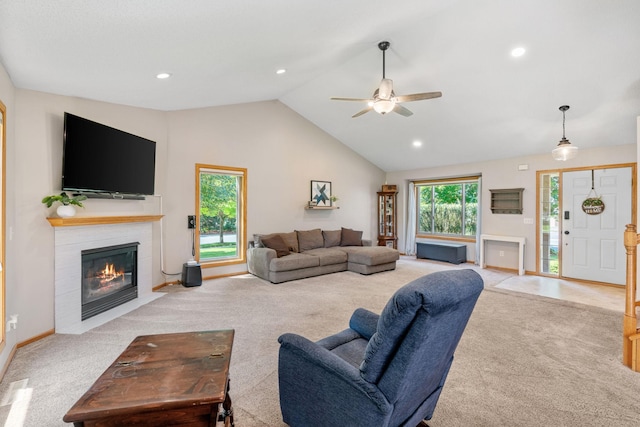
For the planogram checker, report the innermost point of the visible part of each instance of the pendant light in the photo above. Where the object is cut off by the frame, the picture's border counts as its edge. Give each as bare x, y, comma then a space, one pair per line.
565, 150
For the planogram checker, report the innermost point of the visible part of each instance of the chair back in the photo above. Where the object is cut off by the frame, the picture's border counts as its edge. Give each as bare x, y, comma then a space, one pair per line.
418, 331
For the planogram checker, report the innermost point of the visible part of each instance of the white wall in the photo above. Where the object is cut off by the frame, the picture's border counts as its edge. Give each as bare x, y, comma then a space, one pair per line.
281, 150
504, 173
38, 147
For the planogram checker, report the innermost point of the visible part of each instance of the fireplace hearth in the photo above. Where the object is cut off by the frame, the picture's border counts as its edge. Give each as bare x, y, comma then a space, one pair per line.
109, 277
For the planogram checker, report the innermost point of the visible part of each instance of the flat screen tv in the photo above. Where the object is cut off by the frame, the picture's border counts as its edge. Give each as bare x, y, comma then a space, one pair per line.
101, 161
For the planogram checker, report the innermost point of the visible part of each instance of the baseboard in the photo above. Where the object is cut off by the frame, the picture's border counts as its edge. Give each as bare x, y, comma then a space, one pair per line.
36, 338
219, 276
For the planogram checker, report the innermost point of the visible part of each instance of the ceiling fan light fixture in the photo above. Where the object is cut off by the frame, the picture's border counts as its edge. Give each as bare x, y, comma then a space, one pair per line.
384, 106
565, 150
384, 100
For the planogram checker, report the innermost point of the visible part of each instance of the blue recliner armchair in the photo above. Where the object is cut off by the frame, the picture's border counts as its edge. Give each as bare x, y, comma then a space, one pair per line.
384, 370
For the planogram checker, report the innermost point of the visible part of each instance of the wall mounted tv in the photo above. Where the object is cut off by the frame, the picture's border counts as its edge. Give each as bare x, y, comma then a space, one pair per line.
100, 161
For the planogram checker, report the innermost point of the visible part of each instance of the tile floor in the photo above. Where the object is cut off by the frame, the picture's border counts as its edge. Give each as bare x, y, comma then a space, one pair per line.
609, 297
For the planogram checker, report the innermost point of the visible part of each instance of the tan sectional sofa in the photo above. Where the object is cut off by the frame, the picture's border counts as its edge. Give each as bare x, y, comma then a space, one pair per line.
280, 257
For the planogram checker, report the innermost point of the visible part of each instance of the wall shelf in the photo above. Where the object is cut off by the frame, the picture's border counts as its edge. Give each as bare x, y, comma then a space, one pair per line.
506, 201
321, 208
101, 220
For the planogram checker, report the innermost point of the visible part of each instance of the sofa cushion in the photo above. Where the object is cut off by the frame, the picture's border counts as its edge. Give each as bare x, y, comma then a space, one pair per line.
294, 261
276, 242
350, 237
331, 238
290, 239
309, 239
372, 255
328, 256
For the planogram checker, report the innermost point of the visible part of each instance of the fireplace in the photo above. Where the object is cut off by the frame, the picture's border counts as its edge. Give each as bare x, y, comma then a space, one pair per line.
109, 277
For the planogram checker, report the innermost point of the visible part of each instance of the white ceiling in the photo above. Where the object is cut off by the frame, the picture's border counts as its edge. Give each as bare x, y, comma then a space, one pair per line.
583, 53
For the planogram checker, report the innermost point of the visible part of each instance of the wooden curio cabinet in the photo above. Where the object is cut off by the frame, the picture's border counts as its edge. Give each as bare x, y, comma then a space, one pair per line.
387, 226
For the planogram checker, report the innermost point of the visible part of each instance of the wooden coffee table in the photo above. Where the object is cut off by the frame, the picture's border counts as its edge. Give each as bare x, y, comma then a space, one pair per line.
165, 379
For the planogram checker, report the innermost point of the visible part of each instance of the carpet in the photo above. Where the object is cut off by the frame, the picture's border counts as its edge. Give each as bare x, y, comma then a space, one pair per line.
522, 361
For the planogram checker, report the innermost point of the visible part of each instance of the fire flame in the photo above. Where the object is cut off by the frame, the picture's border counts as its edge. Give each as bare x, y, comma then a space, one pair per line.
109, 273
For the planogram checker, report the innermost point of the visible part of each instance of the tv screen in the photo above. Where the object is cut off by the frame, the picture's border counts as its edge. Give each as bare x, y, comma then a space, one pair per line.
100, 159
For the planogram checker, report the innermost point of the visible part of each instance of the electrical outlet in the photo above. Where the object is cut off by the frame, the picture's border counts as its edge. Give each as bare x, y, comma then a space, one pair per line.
501, 253
191, 221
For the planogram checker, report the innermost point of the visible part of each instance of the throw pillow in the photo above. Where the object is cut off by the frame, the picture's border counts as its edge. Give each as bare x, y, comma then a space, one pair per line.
351, 237
331, 238
310, 239
291, 239
277, 243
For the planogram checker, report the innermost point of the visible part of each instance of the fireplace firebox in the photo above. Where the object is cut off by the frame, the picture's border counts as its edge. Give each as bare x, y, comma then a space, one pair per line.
109, 277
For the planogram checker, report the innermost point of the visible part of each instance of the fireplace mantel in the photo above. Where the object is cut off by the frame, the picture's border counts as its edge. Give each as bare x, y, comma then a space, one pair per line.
101, 220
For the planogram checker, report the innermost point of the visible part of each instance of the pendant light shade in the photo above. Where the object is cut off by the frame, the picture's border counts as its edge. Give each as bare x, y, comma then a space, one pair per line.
565, 150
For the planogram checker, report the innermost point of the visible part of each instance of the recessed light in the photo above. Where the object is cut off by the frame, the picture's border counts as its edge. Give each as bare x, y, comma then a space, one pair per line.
417, 143
281, 71
163, 76
518, 52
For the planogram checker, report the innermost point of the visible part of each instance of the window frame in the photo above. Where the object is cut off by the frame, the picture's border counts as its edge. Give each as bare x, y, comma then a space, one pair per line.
241, 215
474, 179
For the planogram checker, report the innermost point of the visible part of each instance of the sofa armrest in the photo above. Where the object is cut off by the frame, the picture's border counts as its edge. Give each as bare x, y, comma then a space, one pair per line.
258, 261
364, 322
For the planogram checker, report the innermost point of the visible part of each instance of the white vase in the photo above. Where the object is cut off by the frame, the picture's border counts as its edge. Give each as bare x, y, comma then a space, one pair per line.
66, 211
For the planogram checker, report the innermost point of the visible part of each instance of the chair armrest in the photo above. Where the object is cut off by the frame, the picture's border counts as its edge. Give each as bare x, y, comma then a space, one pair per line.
364, 322
302, 361
258, 261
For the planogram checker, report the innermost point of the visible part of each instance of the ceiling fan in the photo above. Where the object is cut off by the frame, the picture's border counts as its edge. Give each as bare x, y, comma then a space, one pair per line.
384, 100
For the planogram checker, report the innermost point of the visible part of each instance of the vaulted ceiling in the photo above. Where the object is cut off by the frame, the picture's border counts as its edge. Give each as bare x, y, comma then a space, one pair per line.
582, 53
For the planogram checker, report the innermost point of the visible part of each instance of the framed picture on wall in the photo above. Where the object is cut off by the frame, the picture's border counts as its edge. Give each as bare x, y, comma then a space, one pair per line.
321, 193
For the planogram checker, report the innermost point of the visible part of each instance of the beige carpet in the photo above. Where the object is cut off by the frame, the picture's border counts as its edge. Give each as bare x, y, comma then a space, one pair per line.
523, 360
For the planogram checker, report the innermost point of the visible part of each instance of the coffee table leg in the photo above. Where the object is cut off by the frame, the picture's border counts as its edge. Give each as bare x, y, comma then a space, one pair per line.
227, 411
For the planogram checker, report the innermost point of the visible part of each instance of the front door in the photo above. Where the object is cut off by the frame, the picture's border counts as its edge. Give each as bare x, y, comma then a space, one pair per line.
592, 245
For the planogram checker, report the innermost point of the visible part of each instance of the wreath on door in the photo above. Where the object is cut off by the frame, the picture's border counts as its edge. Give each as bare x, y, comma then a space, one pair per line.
593, 204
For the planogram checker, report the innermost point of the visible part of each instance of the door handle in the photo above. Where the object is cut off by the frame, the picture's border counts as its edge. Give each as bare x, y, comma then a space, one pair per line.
566, 232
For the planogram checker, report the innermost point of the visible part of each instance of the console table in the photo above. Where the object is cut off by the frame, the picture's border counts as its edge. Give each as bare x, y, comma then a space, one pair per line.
513, 239
164, 379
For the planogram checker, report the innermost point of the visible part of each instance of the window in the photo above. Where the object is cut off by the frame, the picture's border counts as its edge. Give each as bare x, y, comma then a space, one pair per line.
221, 206
549, 226
449, 209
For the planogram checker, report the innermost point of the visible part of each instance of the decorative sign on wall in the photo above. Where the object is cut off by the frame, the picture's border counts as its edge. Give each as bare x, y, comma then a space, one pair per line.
593, 204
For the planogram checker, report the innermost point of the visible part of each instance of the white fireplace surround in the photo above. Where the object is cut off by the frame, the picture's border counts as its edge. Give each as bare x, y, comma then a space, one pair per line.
69, 242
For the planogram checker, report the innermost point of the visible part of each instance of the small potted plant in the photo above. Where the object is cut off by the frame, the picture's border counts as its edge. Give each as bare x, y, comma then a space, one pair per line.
66, 208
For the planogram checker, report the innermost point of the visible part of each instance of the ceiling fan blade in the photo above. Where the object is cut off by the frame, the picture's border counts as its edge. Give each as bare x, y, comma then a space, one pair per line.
418, 96
359, 113
385, 91
403, 111
351, 99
